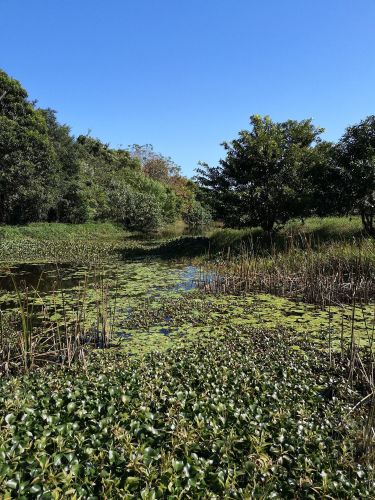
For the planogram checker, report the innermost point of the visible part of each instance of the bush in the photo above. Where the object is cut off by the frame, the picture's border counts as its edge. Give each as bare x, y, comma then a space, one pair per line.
136, 210
195, 215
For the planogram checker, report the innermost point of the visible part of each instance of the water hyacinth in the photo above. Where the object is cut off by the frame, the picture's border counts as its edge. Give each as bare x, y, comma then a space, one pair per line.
249, 414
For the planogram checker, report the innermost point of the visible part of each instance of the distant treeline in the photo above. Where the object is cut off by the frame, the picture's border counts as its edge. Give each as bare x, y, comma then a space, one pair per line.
46, 174
279, 171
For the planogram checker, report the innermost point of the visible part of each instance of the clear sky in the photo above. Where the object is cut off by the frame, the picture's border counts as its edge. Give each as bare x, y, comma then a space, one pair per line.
185, 75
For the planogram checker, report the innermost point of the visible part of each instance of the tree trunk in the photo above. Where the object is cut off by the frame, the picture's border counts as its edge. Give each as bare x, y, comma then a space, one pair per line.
368, 223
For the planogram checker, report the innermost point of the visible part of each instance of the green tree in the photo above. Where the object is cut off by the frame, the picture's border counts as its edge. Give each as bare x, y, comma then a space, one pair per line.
28, 163
356, 159
324, 182
261, 182
195, 215
71, 203
99, 165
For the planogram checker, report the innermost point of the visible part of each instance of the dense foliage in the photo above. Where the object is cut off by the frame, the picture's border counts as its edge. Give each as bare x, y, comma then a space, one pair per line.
262, 179
278, 171
356, 159
241, 416
196, 215
47, 174
28, 161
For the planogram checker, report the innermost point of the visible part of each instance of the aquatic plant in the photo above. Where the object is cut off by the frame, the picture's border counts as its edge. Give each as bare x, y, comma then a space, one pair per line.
328, 274
39, 332
252, 413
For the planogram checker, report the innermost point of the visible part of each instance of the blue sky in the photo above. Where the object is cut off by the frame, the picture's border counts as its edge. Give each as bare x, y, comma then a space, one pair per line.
185, 75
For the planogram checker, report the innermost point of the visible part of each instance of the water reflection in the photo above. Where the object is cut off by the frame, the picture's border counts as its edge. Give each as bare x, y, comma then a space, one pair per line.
123, 281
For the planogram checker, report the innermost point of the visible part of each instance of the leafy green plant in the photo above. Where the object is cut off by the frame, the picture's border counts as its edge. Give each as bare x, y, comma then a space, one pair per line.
196, 216
249, 414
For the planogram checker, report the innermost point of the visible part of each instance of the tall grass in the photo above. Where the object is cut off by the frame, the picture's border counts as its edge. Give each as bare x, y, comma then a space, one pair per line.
37, 334
315, 230
315, 273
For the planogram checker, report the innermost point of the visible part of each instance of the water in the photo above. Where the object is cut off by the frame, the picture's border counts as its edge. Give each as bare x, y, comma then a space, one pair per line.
57, 292
47, 278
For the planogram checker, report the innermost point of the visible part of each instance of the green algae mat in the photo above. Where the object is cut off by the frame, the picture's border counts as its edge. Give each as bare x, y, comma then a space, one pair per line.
154, 305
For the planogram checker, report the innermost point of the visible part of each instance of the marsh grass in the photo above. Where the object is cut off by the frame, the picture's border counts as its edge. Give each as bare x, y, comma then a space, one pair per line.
38, 333
318, 274
314, 229
60, 242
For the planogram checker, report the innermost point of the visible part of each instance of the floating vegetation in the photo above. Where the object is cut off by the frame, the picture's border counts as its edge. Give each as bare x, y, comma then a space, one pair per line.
53, 314
250, 414
153, 305
195, 313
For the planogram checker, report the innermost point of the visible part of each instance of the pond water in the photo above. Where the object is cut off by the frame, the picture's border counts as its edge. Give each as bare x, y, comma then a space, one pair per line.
135, 278
58, 292
147, 304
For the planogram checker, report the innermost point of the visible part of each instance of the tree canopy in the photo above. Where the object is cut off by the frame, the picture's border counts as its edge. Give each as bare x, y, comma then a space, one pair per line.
278, 171
28, 161
262, 180
355, 154
48, 174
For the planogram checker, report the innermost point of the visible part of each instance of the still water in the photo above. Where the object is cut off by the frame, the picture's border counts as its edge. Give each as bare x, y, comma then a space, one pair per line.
65, 293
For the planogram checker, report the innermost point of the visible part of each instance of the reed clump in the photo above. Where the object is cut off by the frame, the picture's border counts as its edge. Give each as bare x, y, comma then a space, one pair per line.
37, 334
306, 271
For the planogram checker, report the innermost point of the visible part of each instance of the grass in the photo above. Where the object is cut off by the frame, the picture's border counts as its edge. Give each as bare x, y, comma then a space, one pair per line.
313, 230
322, 261
329, 274
57, 231
328, 227
221, 241
94, 241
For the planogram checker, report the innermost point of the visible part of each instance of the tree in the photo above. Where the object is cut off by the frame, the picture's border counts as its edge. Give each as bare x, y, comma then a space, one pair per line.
155, 165
356, 158
28, 163
324, 182
261, 182
99, 166
195, 215
71, 204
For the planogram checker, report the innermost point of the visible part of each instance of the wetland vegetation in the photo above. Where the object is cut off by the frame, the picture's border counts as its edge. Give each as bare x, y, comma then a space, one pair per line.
147, 353
148, 378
